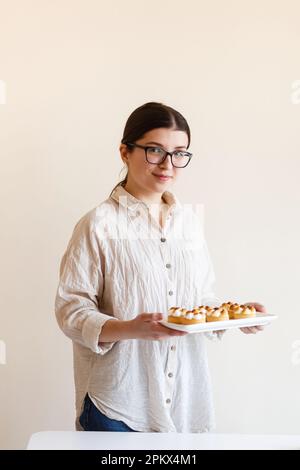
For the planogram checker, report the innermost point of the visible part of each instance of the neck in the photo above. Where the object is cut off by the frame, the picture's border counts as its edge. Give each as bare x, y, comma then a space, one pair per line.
148, 197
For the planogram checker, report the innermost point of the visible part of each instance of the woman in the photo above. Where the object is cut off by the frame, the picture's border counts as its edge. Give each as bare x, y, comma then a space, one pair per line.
128, 261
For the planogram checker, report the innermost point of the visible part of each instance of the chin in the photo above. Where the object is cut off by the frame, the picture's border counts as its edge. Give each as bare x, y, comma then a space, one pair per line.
161, 187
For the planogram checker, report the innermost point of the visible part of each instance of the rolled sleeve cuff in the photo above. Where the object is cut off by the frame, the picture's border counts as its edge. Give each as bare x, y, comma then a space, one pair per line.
91, 331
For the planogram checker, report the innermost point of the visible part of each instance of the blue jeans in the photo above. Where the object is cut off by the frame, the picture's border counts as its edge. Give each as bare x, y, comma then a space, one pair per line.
92, 419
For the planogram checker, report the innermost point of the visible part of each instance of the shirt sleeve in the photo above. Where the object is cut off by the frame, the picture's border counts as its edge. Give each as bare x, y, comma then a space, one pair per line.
80, 289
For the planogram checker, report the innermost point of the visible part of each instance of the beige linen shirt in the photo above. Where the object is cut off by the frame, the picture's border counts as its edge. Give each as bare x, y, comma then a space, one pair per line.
120, 262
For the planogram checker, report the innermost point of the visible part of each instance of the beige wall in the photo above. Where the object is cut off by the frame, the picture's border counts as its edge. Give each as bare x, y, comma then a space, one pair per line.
74, 71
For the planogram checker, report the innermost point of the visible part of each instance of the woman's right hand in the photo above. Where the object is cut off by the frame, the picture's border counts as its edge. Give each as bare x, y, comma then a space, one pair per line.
147, 326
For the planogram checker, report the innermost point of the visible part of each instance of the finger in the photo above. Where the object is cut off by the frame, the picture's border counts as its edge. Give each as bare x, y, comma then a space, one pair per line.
259, 307
252, 329
246, 330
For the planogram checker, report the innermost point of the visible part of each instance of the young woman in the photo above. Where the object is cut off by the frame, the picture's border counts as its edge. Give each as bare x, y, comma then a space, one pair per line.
129, 260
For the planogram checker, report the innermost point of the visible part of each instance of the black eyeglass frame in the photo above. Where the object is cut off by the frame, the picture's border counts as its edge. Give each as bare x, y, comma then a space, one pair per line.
166, 153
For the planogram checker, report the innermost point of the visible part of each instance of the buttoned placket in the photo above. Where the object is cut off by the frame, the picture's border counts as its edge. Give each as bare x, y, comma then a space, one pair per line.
172, 344
171, 363
165, 252
169, 269
170, 372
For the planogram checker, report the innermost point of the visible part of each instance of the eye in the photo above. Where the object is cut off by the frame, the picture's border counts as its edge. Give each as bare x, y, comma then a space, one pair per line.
180, 154
156, 150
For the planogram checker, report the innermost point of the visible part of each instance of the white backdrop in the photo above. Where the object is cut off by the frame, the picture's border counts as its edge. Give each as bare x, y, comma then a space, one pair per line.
73, 72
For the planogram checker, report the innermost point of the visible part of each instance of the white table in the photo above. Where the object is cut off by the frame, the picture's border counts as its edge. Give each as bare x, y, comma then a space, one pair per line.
158, 441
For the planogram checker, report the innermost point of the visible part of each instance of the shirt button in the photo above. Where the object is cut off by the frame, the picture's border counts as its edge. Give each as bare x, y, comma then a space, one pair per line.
168, 265
170, 374
170, 292
173, 347
163, 239
168, 400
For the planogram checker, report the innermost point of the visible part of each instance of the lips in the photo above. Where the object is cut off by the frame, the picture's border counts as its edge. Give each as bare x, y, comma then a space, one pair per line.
162, 176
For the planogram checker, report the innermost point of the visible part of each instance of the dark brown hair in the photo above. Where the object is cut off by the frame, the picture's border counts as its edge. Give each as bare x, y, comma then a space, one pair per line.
150, 116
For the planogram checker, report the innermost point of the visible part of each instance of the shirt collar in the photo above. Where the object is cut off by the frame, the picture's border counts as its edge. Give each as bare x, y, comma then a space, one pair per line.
126, 199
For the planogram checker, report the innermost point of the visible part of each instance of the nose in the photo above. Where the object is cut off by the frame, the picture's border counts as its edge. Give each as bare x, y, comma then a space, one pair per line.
167, 163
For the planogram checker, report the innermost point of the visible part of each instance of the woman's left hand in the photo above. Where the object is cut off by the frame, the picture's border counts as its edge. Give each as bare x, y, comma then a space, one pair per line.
254, 329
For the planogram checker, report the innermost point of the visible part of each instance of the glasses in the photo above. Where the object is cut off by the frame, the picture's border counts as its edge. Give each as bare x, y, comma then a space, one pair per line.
157, 155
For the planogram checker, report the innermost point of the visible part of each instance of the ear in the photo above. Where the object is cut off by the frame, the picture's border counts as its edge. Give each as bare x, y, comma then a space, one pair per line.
124, 153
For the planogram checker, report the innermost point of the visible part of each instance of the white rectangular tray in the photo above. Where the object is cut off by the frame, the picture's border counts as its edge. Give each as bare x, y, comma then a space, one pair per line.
260, 319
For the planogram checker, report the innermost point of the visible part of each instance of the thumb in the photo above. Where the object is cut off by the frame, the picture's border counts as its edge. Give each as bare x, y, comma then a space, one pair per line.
259, 307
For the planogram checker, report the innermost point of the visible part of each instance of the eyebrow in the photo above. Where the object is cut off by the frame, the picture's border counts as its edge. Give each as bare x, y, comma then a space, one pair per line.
160, 145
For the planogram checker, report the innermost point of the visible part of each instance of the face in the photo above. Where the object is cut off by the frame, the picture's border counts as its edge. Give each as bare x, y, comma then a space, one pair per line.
142, 176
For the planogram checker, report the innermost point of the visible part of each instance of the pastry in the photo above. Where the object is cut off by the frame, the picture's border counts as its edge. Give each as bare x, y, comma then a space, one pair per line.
217, 314
230, 307
209, 310
193, 316
183, 316
202, 309
204, 313
243, 311
175, 314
